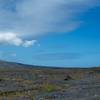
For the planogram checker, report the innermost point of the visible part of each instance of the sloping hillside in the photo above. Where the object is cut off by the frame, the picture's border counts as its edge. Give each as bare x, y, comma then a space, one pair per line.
26, 82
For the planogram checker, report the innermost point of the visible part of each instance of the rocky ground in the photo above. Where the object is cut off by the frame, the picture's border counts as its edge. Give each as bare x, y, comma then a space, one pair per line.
49, 84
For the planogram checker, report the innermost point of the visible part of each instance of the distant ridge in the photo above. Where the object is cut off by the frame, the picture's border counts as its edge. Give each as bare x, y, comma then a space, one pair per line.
11, 65
14, 65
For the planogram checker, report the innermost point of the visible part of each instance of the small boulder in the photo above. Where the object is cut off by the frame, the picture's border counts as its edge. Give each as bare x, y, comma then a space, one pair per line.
68, 77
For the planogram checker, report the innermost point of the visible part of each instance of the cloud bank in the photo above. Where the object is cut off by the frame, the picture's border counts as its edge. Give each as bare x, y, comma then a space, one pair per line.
29, 19
13, 39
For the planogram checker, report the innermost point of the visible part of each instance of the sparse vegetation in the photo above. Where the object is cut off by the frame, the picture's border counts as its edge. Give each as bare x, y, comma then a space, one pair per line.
49, 87
26, 83
1, 79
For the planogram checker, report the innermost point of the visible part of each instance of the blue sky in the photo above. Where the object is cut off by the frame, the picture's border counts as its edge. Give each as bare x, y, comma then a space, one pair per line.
50, 32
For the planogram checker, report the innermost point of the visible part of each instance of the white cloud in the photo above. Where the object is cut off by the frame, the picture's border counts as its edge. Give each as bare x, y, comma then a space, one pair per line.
33, 18
13, 39
39, 17
29, 43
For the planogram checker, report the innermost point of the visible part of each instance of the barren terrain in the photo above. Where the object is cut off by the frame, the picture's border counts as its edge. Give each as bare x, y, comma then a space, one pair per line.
25, 82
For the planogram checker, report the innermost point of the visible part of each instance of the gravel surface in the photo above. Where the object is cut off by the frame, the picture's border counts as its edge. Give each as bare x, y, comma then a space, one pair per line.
84, 89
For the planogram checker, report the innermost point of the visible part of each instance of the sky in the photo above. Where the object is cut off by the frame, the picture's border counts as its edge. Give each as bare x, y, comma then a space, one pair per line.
56, 33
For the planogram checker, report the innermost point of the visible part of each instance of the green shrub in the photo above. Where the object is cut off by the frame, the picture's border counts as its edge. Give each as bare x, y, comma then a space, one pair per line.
48, 87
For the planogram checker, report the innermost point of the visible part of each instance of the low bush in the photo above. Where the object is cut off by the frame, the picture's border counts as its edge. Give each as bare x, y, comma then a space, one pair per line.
49, 87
